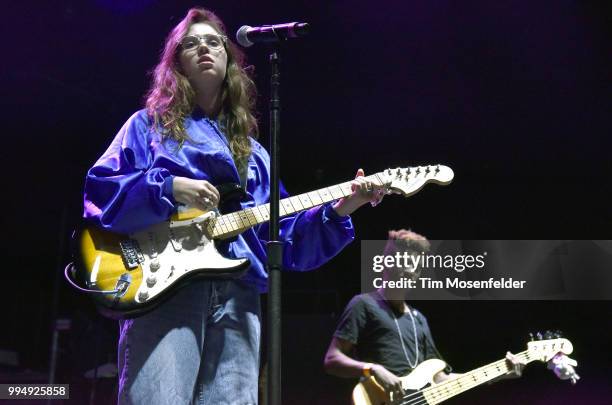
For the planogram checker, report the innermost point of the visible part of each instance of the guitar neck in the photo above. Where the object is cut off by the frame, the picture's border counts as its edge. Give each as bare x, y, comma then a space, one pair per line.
237, 222
443, 391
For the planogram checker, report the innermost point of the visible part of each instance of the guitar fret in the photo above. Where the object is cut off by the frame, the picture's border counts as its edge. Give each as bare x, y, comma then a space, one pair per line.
227, 223
234, 221
220, 228
305, 200
237, 221
288, 207
297, 205
346, 189
223, 224
214, 232
336, 192
265, 213
325, 195
378, 179
257, 214
210, 226
244, 218
251, 216
315, 198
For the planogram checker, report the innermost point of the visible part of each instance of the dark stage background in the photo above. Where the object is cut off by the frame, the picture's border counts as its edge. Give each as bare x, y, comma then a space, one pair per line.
513, 95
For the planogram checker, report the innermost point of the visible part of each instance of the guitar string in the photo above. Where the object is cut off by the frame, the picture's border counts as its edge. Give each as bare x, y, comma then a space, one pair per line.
454, 390
245, 222
241, 223
457, 389
440, 397
418, 398
224, 220
231, 222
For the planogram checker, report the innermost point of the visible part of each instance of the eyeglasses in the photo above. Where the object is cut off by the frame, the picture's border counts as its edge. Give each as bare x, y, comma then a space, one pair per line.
212, 41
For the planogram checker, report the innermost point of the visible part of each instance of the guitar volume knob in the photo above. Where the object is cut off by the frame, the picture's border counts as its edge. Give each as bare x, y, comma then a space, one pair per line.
155, 265
143, 295
151, 280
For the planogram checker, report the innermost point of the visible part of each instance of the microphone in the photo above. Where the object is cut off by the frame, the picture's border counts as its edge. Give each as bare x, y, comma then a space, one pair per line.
247, 36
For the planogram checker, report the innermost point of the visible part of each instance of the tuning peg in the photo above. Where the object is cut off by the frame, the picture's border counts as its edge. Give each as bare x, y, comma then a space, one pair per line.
549, 335
531, 337
437, 168
558, 334
539, 336
427, 170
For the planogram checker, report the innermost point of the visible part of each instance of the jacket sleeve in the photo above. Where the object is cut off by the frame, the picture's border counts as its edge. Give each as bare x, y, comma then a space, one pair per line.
122, 192
310, 238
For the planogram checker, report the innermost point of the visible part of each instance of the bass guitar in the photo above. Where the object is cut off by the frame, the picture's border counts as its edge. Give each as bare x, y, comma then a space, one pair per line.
420, 389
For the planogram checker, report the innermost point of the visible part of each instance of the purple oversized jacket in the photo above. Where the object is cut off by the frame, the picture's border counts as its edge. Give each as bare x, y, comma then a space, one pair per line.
130, 188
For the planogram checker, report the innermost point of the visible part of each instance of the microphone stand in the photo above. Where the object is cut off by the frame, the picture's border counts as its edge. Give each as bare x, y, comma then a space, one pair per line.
275, 247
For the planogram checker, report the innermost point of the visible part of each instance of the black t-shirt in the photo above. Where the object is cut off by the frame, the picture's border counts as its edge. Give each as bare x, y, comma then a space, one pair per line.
368, 323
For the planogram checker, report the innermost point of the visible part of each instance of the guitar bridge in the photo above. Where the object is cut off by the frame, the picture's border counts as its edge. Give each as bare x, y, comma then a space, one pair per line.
131, 253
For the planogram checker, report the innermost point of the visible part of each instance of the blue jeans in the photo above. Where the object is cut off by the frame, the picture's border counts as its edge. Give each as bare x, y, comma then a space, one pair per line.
199, 347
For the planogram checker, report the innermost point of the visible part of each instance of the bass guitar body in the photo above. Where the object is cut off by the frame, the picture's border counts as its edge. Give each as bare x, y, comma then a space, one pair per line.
369, 392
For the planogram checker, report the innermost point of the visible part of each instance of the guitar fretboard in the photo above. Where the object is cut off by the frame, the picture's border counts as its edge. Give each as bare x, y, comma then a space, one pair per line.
443, 391
239, 221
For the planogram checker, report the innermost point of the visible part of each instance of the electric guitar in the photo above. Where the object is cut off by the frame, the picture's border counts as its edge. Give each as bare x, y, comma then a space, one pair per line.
420, 389
130, 274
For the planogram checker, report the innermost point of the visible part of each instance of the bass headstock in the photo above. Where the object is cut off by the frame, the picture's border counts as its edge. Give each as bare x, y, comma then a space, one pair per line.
547, 345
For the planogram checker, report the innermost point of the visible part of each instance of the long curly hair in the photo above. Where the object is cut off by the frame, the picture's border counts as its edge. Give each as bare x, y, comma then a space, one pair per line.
171, 97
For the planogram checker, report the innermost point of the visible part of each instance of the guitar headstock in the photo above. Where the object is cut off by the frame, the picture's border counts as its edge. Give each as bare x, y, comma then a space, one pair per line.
409, 180
546, 346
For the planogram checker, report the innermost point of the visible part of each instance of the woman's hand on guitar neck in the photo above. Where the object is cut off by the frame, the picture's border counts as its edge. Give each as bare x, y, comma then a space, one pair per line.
364, 191
389, 381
